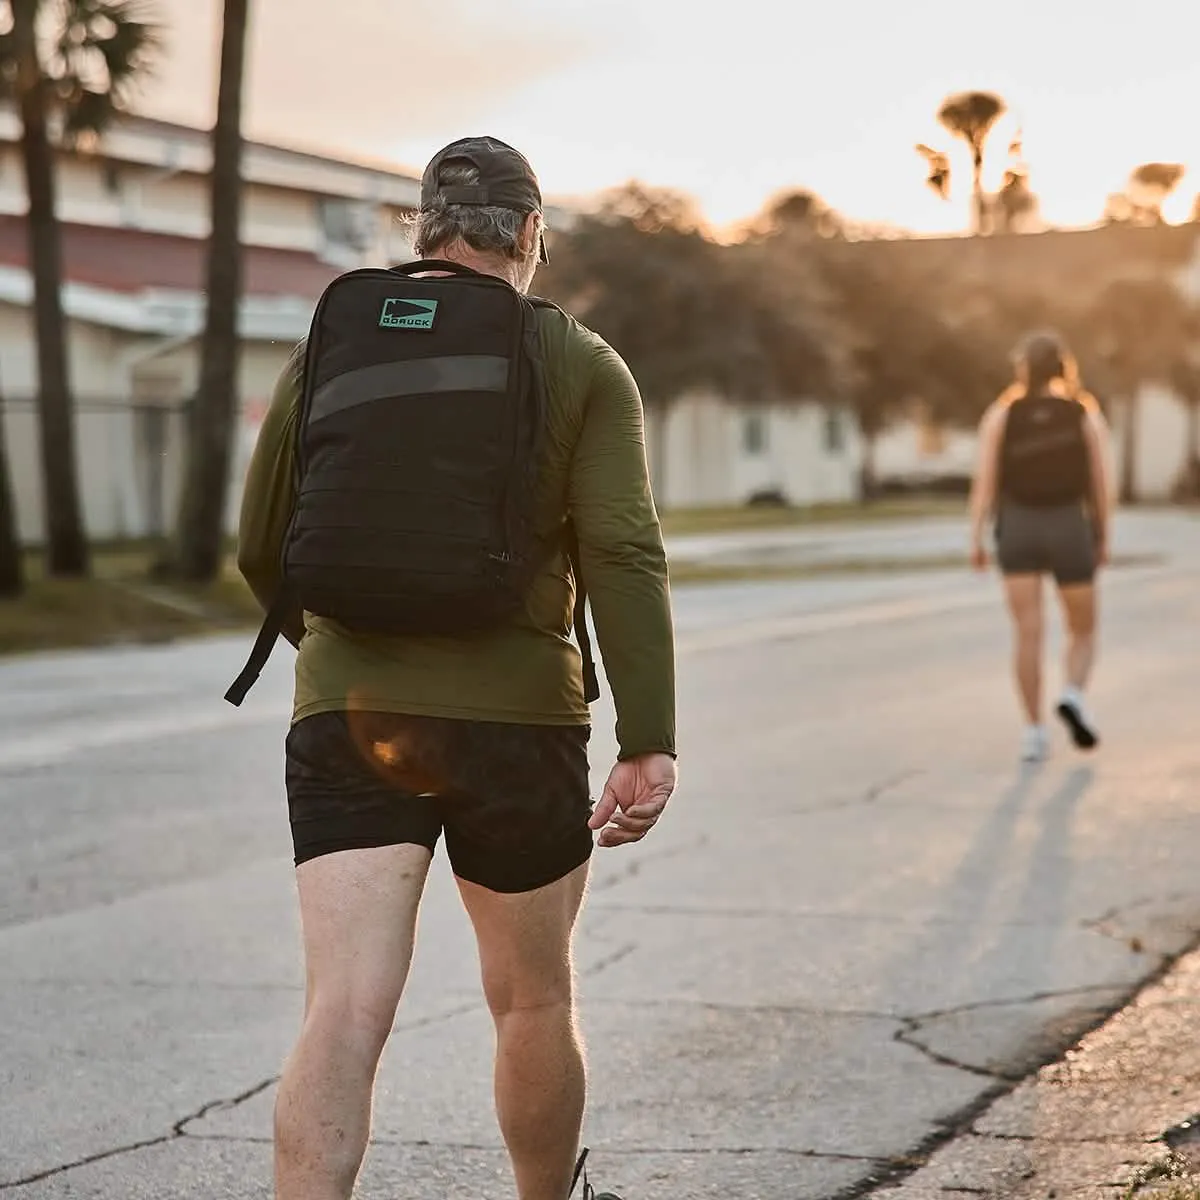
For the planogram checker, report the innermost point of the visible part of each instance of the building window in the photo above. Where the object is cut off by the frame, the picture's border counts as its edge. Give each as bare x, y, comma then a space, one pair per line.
835, 431
754, 433
349, 228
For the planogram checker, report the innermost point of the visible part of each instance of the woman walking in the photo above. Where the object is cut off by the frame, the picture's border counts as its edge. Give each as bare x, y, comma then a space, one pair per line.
1043, 477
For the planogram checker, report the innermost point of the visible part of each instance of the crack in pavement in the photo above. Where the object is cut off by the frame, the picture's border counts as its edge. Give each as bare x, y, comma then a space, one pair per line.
872, 795
609, 960
1098, 1139
919, 921
609, 1151
963, 1121
634, 868
164, 985
1106, 923
911, 1027
178, 1130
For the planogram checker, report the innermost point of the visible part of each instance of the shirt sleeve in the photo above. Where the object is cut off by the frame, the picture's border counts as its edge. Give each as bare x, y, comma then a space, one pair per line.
270, 494
622, 558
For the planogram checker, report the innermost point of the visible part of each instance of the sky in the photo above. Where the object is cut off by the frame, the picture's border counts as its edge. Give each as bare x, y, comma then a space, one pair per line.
729, 102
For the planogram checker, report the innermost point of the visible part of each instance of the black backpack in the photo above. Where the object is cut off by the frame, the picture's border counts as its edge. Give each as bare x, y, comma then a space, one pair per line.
421, 419
1044, 453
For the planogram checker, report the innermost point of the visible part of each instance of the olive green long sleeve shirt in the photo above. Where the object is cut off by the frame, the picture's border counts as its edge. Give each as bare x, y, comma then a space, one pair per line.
529, 671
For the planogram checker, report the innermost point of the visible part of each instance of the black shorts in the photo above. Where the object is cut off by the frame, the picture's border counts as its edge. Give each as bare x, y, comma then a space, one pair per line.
1058, 541
514, 800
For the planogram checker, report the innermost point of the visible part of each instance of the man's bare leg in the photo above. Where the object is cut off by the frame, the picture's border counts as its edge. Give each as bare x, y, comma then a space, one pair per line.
359, 913
525, 956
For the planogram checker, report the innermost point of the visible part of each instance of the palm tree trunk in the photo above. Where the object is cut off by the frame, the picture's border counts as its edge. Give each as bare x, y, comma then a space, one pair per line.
978, 200
1127, 492
12, 575
67, 544
213, 415
868, 471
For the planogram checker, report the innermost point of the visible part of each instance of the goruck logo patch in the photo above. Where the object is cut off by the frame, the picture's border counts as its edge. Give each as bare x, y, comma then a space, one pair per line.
408, 314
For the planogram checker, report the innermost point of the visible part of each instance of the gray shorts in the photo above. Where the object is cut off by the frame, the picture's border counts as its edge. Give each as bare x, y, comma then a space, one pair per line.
1058, 541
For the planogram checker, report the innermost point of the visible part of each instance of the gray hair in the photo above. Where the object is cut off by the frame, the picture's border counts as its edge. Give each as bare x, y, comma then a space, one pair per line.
487, 229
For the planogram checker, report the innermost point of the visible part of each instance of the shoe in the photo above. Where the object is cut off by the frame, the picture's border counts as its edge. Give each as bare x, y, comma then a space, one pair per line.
589, 1193
1034, 743
1077, 720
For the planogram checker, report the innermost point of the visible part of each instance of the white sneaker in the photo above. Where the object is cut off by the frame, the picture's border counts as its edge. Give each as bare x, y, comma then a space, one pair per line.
1078, 720
1035, 743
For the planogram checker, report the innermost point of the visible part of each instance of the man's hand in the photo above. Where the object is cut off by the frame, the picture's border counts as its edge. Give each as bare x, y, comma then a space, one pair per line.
1103, 554
634, 797
979, 555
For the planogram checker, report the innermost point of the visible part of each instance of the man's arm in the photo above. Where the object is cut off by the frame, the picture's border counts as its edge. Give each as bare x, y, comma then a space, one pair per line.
623, 562
270, 493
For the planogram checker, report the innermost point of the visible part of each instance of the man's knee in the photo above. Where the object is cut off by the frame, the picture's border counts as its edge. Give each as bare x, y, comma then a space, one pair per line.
355, 1022
511, 990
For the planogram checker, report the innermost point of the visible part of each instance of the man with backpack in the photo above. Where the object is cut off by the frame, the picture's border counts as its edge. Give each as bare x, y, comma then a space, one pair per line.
444, 464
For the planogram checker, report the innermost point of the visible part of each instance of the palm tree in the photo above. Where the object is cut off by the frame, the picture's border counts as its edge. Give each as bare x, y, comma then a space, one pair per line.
73, 81
12, 576
213, 416
937, 163
1151, 184
970, 116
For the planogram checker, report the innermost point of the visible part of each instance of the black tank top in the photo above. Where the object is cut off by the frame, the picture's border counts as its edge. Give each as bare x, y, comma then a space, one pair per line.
1044, 455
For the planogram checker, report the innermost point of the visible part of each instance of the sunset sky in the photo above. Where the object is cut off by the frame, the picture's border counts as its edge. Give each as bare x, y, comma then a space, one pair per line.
729, 102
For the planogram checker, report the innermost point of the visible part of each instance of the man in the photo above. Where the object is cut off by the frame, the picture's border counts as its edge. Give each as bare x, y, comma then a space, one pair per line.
395, 739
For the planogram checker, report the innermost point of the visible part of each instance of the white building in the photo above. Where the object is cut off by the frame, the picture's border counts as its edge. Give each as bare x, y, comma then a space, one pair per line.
707, 451
134, 220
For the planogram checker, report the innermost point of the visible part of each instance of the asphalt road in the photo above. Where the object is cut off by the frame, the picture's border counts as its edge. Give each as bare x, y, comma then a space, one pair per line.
861, 917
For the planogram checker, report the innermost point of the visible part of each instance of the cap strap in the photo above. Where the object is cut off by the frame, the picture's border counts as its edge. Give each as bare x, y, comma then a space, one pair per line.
462, 194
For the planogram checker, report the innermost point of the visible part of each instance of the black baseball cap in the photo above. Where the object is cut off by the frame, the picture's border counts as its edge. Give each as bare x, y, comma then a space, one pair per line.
506, 179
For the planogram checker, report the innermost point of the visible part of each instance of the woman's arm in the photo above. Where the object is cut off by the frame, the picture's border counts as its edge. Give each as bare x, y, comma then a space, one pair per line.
984, 485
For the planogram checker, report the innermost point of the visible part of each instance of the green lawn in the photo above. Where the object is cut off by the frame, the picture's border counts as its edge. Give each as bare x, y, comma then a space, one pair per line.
121, 604
680, 521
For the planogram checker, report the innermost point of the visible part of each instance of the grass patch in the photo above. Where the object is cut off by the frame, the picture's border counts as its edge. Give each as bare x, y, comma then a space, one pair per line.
119, 604
700, 572
678, 522
1168, 1178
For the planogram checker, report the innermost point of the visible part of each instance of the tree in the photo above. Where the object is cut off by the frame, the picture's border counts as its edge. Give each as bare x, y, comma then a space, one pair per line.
685, 312
937, 163
1015, 203
797, 208
971, 116
1140, 330
213, 415
12, 576
73, 81
1151, 184
1145, 194
1185, 381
